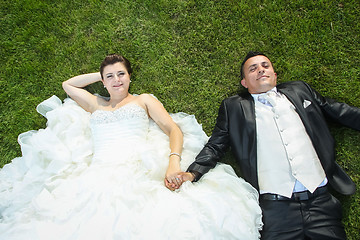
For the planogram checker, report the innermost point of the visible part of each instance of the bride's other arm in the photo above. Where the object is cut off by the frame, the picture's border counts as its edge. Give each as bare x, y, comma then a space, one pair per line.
162, 118
74, 88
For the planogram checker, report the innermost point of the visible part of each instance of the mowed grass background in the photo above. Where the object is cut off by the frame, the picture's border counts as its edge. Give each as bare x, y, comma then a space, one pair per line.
187, 53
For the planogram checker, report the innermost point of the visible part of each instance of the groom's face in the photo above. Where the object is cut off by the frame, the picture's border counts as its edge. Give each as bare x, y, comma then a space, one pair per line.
259, 75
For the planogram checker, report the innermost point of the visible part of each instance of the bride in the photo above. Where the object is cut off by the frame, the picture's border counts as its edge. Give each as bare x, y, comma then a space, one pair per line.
97, 172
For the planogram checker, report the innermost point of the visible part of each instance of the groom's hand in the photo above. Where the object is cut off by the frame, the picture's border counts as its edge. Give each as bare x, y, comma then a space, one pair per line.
178, 180
186, 176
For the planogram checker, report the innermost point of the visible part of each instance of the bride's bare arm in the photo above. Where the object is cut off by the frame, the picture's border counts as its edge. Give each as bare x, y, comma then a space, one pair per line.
74, 88
162, 118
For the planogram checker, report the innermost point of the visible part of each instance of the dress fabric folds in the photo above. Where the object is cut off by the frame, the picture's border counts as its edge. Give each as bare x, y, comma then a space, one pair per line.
100, 176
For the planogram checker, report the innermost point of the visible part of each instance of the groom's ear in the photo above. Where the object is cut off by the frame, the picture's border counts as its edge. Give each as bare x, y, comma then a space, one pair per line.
243, 83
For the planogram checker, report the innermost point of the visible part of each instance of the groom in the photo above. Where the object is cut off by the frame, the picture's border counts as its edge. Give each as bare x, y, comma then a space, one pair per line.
279, 137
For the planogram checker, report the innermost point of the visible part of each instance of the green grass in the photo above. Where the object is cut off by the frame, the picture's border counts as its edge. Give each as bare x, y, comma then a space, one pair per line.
187, 53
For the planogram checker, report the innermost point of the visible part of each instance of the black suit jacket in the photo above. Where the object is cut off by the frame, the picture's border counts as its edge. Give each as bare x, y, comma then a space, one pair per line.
236, 128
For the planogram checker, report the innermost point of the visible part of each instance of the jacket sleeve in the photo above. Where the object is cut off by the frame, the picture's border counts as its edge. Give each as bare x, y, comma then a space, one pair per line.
216, 147
337, 111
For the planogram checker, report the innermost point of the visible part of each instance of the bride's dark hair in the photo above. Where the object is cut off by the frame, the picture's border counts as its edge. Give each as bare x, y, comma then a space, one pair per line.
112, 59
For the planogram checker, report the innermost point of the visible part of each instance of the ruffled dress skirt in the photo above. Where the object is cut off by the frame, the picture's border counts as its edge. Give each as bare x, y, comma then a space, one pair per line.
100, 176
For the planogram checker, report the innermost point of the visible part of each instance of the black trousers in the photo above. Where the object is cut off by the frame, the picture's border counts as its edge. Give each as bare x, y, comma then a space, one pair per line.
316, 218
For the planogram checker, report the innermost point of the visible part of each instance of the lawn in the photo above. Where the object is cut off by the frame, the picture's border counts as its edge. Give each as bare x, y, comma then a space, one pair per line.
187, 53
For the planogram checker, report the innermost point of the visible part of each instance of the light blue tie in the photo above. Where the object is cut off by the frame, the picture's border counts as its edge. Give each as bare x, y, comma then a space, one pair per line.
263, 100
269, 99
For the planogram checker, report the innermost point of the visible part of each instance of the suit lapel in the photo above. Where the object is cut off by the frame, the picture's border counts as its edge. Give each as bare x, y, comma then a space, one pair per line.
248, 109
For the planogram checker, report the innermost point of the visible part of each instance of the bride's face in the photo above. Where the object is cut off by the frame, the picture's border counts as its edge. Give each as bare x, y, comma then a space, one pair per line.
116, 78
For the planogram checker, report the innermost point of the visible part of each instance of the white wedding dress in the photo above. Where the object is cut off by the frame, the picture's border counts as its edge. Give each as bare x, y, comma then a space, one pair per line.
100, 176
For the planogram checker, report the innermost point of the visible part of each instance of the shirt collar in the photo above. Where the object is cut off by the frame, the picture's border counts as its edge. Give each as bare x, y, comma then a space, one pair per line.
256, 96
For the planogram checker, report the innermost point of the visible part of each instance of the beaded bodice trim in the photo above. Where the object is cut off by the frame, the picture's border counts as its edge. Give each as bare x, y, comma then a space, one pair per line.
128, 111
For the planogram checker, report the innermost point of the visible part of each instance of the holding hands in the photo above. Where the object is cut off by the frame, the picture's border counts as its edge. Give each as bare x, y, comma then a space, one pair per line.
174, 177
175, 181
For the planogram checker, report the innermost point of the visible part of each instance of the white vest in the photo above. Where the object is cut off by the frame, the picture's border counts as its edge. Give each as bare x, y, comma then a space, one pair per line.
284, 150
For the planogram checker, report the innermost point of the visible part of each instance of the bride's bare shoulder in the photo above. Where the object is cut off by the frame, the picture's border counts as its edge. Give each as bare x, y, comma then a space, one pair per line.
146, 97
146, 100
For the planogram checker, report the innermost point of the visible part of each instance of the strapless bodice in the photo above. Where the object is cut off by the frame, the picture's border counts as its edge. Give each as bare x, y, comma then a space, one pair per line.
120, 131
